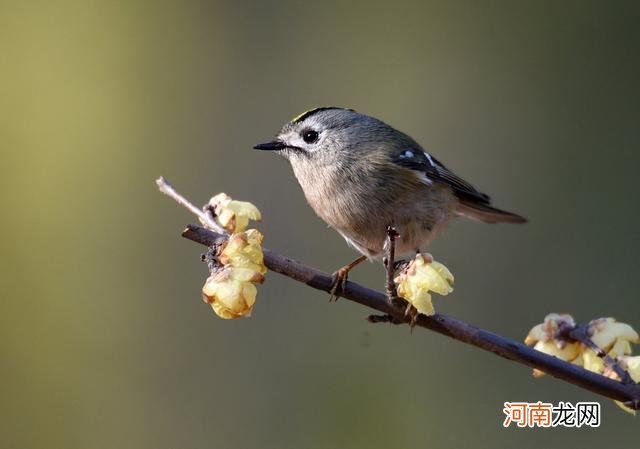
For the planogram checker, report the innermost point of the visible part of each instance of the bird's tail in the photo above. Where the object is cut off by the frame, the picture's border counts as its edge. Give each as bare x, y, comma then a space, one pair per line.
487, 214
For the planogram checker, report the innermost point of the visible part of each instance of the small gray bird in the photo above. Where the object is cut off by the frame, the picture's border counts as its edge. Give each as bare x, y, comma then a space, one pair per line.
361, 176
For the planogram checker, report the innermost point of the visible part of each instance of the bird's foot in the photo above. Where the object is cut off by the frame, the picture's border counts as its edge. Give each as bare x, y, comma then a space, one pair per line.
412, 313
400, 265
389, 262
338, 283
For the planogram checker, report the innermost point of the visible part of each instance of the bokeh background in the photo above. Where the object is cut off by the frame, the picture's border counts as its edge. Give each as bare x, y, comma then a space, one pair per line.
105, 341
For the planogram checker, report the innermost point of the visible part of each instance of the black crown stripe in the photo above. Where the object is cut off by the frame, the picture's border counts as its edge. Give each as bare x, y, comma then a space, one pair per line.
305, 115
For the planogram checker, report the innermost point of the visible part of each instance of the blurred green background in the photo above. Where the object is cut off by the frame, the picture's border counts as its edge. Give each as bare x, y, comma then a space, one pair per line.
105, 340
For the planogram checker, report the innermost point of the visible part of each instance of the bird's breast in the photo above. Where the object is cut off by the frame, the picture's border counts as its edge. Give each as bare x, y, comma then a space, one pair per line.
360, 206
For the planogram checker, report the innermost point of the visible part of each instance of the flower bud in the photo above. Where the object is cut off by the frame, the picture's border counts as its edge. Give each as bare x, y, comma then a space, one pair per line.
230, 292
550, 328
419, 278
548, 337
244, 250
632, 365
613, 337
233, 215
591, 361
567, 351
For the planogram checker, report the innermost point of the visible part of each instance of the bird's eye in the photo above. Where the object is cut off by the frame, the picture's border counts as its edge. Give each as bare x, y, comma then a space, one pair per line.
310, 136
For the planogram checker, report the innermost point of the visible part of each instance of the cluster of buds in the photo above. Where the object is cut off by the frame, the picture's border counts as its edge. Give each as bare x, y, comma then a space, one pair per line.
613, 338
420, 277
239, 262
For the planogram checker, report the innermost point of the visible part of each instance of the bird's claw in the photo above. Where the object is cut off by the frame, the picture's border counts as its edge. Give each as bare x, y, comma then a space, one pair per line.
413, 314
400, 265
338, 283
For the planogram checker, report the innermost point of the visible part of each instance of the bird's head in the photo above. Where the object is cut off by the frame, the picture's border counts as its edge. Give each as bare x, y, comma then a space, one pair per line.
327, 136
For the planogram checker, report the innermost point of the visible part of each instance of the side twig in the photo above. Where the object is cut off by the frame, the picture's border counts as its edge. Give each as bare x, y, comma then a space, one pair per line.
205, 216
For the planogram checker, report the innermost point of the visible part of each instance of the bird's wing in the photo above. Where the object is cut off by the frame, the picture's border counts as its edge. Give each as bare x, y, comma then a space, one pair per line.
433, 170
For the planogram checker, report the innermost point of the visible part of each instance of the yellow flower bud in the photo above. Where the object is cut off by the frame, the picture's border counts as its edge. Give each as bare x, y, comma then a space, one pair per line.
421, 277
548, 329
632, 365
567, 351
613, 337
230, 293
246, 274
546, 337
233, 215
244, 250
591, 361
537, 333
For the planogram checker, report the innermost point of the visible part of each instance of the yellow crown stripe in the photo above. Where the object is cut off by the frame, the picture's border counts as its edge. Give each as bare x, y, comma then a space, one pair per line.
310, 112
302, 114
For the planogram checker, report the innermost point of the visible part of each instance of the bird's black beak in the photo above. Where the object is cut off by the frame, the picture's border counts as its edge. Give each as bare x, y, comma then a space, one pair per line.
271, 146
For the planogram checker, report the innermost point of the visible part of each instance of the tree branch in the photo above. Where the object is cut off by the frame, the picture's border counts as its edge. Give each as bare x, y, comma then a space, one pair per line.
443, 324
628, 393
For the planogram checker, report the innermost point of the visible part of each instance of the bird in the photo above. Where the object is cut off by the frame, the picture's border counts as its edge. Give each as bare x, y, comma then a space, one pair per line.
363, 177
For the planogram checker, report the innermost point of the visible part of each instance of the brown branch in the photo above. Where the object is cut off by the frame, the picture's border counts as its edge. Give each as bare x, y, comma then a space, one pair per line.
459, 330
443, 324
